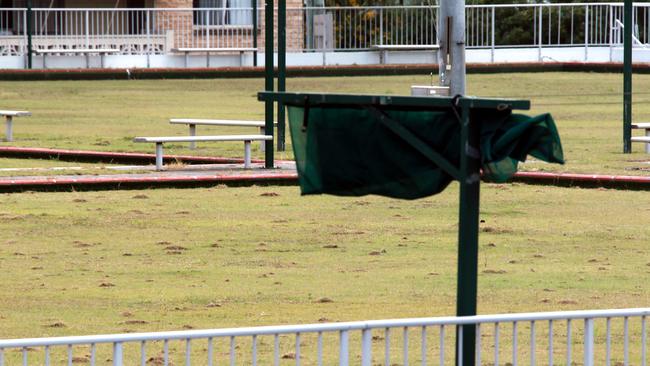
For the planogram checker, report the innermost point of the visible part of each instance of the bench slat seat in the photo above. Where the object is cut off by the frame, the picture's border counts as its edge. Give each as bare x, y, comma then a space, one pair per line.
77, 50
84, 51
384, 48
15, 113
214, 49
9, 124
164, 139
209, 50
406, 47
247, 139
216, 122
193, 122
643, 126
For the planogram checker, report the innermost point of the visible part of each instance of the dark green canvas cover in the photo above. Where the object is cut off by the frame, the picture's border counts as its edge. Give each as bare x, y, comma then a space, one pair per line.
348, 151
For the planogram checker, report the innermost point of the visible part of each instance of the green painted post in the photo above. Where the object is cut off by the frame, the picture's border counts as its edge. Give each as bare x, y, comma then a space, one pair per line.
254, 5
30, 50
268, 76
282, 69
627, 77
466, 289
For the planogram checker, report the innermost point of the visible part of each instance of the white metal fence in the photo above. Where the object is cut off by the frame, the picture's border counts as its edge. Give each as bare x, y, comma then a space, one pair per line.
596, 337
158, 31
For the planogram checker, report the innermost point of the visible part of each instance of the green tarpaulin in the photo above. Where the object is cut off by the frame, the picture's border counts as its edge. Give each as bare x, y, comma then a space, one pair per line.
351, 151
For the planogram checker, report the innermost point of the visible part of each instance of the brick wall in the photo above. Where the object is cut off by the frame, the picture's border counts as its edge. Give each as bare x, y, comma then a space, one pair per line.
187, 35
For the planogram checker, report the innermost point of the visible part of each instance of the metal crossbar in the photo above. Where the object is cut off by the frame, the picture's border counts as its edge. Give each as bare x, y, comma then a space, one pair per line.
600, 337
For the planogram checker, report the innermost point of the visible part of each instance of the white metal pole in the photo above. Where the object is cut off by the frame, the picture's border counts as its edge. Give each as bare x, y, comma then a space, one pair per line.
192, 133
159, 156
451, 57
10, 129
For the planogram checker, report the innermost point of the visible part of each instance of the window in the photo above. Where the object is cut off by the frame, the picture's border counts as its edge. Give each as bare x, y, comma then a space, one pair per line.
223, 13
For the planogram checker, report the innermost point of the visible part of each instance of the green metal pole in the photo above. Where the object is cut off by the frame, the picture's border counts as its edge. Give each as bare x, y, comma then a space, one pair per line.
30, 52
282, 68
254, 4
466, 289
268, 68
627, 77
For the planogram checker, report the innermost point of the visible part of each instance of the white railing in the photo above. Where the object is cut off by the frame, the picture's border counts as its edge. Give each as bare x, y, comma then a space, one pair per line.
158, 30
596, 337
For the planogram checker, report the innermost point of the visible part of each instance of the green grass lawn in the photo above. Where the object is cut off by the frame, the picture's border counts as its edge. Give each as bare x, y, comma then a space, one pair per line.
123, 261
169, 259
106, 115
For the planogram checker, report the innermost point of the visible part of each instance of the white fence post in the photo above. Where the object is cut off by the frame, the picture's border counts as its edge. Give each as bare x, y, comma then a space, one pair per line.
344, 349
118, 354
589, 342
366, 347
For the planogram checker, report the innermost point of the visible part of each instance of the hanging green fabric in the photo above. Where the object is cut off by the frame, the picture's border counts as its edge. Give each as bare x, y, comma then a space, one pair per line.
350, 151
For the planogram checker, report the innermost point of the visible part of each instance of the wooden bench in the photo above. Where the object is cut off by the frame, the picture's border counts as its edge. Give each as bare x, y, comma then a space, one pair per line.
9, 116
76, 51
643, 126
209, 50
159, 141
193, 122
384, 48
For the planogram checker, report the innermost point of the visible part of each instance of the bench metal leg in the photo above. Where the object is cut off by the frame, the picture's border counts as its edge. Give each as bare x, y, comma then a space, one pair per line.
192, 133
247, 154
262, 143
10, 129
647, 146
159, 156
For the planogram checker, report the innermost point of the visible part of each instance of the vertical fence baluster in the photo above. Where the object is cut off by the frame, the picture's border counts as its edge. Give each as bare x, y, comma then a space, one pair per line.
532, 343
210, 351
2, 357
143, 353
406, 345
366, 347
643, 331
118, 358
442, 345
589, 342
319, 352
254, 351
297, 349
387, 347
514, 343
232, 351
608, 343
344, 358
166, 352
69, 355
24, 350
496, 343
47, 355
568, 341
424, 346
626, 353
276, 349
188, 352
550, 342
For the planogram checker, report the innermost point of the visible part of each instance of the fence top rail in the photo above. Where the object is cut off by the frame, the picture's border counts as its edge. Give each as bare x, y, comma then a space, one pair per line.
523, 5
324, 327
